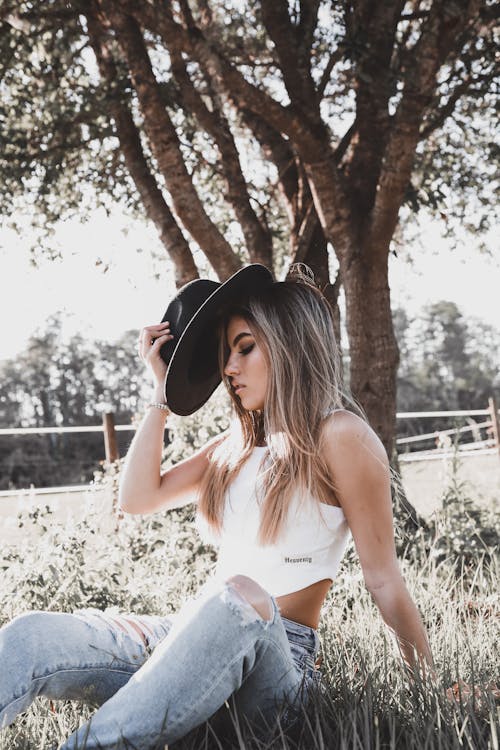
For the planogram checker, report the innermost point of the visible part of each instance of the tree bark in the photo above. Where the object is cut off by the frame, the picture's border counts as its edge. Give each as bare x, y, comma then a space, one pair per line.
293, 48
373, 25
372, 344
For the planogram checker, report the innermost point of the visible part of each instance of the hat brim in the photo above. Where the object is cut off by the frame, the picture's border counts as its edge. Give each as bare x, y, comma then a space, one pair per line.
193, 372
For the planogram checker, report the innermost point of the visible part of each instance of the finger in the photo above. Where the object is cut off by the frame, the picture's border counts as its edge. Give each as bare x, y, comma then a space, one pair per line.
150, 332
155, 328
145, 342
158, 343
154, 348
147, 348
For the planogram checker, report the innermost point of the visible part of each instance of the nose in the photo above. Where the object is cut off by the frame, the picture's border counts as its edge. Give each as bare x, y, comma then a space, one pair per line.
231, 367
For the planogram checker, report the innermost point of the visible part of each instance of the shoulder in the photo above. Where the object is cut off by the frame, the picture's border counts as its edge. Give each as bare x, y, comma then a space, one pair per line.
349, 444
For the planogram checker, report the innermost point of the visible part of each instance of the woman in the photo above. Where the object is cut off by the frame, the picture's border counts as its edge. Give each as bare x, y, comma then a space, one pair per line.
280, 492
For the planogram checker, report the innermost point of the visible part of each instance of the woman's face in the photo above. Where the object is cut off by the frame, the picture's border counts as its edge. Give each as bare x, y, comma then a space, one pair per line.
246, 366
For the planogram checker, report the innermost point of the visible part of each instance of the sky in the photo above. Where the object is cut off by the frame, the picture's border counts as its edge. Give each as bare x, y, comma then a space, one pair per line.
110, 280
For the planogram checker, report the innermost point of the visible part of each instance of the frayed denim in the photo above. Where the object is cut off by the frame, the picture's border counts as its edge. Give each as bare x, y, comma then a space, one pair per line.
152, 691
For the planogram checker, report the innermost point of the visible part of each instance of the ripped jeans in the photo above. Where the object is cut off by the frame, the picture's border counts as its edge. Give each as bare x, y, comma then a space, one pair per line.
153, 690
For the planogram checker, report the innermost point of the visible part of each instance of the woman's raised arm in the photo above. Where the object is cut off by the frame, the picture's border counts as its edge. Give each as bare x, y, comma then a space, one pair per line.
360, 470
143, 489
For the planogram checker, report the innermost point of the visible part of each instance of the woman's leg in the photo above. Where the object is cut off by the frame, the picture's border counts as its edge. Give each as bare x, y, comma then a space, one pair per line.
217, 643
85, 656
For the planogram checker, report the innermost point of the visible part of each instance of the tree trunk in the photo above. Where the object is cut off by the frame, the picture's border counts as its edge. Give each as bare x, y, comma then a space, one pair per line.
373, 348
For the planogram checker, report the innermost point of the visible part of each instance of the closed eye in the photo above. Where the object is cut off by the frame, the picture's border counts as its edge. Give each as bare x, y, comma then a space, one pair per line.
247, 349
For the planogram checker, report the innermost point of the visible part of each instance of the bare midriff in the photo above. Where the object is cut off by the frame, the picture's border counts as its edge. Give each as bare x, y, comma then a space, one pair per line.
304, 606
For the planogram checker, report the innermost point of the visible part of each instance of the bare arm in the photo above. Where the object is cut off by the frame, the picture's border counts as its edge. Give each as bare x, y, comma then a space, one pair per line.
143, 489
360, 471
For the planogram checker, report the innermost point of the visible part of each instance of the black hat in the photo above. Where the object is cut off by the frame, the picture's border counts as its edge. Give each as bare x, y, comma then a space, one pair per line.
192, 355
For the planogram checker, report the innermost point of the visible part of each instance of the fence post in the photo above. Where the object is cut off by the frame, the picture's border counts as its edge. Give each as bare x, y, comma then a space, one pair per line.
110, 445
492, 406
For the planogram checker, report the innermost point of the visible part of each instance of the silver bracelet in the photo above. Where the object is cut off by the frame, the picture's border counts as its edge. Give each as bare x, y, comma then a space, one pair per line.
159, 405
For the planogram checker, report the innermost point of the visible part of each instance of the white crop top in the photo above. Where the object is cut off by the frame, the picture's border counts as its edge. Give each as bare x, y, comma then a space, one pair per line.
309, 548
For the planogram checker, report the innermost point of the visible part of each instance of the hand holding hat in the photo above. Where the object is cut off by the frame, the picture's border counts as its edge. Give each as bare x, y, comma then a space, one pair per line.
151, 339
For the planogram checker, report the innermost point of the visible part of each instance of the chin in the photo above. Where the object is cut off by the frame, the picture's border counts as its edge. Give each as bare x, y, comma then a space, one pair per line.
250, 404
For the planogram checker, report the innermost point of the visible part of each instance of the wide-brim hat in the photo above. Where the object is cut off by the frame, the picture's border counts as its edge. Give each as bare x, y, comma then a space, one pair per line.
192, 355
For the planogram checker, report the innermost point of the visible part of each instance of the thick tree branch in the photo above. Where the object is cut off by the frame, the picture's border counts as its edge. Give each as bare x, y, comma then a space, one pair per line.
313, 145
374, 29
152, 198
224, 76
332, 206
258, 239
186, 12
443, 26
294, 56
166, 149
307, 26
305, 226
277, 150
305, 233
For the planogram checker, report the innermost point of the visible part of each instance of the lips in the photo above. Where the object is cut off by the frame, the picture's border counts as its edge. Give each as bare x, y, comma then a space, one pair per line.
237, 387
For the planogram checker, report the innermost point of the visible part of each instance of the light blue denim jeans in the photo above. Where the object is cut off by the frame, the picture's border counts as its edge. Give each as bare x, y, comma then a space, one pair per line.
152, 691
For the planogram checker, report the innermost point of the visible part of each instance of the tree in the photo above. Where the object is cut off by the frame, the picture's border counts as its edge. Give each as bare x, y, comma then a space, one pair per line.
170, 106
448, 363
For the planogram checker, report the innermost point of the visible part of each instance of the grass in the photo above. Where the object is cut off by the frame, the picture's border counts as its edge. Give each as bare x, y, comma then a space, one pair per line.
152, 564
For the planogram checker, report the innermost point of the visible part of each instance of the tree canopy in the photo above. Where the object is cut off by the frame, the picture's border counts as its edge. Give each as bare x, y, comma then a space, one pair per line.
268, 131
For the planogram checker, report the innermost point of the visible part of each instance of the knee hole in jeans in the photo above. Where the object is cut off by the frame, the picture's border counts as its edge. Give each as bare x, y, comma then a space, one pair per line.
252, 598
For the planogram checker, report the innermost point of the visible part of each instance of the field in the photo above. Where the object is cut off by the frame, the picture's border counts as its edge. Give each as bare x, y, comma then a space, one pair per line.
141, 564
424, 481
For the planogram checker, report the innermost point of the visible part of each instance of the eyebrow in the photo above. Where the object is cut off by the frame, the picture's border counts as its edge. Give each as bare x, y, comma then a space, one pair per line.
240, 336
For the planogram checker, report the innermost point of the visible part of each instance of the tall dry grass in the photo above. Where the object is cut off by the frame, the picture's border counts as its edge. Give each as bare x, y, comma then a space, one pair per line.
152, 564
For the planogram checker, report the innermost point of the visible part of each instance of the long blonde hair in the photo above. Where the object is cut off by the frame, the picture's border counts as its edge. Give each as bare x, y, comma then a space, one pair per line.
292, 324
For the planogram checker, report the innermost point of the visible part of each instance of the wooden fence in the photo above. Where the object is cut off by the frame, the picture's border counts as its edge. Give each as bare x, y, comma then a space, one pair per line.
443, 440
446, 440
